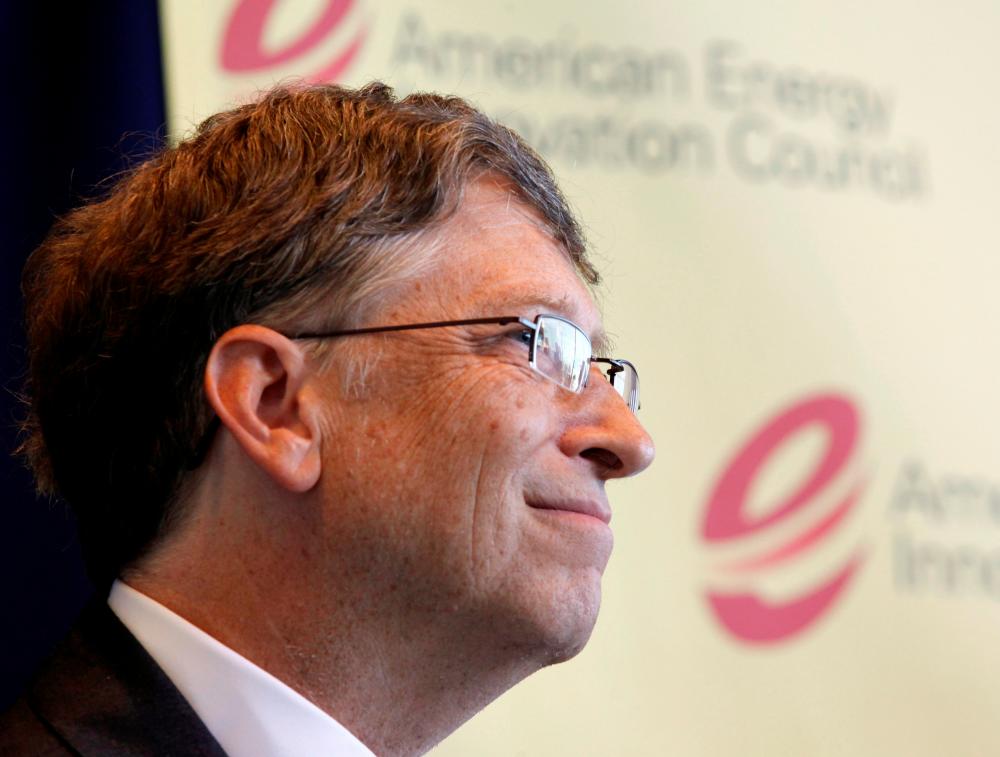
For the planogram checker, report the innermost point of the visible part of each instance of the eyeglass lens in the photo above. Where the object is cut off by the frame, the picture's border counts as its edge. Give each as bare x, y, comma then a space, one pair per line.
562, 352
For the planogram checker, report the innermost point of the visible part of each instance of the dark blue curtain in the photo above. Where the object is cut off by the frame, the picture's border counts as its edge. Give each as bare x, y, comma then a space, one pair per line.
83, 100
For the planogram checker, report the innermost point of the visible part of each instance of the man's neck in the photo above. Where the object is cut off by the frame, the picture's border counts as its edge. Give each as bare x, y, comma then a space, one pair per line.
401, 678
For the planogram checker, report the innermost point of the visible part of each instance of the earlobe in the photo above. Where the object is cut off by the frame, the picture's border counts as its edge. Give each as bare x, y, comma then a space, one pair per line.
255, 382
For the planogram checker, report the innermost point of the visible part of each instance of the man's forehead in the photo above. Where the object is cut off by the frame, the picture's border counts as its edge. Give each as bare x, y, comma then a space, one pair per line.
502, 199
491, 205
502, 259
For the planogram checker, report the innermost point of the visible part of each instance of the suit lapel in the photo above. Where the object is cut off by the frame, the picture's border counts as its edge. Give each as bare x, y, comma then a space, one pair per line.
103, 694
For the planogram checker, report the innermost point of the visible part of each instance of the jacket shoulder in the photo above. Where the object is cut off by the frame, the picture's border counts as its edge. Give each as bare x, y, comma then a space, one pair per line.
100, 693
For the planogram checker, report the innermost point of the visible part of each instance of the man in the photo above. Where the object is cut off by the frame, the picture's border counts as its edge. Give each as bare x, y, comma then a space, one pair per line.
315, 382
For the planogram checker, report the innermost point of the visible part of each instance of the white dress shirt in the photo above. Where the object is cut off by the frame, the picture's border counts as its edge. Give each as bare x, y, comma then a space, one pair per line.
248, 711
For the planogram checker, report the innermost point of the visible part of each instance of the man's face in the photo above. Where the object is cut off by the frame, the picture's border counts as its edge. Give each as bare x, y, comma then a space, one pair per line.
460, 483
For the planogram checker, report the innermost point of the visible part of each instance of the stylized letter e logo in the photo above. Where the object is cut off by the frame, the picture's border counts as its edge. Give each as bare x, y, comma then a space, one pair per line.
243, 43
745, 615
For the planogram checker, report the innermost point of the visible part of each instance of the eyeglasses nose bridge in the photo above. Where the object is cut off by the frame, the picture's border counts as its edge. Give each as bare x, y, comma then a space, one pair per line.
614, 367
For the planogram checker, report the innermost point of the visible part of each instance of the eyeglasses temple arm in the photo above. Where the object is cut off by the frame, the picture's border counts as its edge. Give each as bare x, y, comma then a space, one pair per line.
501, 321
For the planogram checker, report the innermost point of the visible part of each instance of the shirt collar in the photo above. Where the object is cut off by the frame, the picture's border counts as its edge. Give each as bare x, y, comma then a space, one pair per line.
246, 709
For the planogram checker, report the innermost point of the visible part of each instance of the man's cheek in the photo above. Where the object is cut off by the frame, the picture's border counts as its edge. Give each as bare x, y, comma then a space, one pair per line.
455, 407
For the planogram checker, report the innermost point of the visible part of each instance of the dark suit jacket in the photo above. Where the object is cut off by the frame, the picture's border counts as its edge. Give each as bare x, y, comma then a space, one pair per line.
101, 694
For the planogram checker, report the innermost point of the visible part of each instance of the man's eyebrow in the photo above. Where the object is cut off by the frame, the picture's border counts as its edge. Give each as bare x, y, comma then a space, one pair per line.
603, 344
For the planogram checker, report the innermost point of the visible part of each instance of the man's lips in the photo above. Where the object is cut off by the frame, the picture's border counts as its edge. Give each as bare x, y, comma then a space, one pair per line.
584, 507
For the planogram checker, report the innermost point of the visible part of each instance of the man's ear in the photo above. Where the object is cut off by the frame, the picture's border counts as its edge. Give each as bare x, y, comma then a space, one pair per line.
254, 381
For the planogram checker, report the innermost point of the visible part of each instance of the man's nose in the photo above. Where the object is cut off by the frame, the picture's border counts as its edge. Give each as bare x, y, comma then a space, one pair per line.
607, 433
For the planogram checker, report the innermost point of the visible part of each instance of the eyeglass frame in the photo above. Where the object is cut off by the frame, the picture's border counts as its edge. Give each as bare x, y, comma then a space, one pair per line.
617, 364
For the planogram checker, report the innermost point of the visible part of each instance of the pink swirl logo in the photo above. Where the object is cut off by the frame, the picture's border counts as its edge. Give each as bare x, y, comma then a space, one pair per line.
729, 520
243, 46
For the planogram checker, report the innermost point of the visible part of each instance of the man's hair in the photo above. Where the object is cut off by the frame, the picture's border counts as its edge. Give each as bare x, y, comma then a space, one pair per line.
292, 210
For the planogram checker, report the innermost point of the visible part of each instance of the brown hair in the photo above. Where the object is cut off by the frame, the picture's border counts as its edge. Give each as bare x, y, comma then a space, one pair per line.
265, 212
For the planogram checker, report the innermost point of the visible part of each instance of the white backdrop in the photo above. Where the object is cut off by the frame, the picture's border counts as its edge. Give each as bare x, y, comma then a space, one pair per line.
794, 210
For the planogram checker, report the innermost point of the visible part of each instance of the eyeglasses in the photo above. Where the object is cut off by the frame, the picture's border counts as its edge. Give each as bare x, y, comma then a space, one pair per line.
558, 349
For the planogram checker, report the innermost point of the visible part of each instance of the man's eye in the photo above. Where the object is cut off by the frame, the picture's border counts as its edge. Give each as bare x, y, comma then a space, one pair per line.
521, 335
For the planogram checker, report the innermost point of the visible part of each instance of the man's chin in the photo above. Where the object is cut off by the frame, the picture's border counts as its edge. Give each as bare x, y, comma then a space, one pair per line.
541, 614
563, 629
568, 651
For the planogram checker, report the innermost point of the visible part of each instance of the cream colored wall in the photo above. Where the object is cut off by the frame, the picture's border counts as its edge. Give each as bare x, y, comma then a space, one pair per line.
738, 297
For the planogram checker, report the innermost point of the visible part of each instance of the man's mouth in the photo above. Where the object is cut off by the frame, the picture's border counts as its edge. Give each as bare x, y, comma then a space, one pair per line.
594, 509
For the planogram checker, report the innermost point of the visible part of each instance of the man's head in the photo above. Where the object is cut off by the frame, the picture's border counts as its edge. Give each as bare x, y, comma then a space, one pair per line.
389, 496
300, 210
